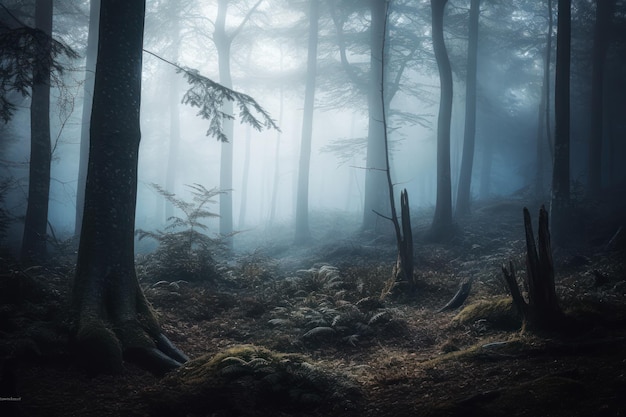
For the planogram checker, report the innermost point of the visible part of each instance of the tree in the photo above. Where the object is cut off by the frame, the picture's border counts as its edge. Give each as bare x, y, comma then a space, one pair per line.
36, 221
113, 318
560, 203
442, 221
90, 69
604, 9
223, 42
467, 160
303, 233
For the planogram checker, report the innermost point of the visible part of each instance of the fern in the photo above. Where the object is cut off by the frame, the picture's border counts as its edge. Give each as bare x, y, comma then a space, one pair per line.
185, 251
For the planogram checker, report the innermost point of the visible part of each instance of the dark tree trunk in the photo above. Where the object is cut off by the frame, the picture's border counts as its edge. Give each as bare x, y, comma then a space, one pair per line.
442, 221
376, 195
467, 161
561, 174
90, 70
604, 9
36, 221
542, 309
303, 233
543, 119
114, 320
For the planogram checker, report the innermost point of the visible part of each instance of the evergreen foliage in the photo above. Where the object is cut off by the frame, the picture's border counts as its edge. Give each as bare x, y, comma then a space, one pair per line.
20, 57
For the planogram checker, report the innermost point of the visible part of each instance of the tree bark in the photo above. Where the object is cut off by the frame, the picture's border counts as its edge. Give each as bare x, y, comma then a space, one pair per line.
113, 318
36, 221
561, 172
442, 221
467, 161
303, 233
376, 194
90, 71
604, 9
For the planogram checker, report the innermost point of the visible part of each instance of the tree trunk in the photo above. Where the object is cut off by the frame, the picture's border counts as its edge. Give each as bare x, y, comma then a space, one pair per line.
244, 181
223, 43
467, 161
376, 194
542, 309
90, 71
303, 233
114, 320
174, 139
604, 9
442, 221
36, 221
274, 201
561, 176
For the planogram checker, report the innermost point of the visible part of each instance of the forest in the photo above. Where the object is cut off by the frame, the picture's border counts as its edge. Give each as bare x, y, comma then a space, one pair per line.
312, 208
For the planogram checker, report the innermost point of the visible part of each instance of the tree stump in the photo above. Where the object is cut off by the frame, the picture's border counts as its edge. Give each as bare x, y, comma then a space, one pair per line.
540, 309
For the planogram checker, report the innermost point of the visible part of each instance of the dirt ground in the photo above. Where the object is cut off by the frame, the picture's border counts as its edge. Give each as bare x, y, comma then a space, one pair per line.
317, 313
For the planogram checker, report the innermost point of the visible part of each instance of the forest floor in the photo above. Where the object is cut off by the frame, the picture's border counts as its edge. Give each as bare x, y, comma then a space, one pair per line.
316, 312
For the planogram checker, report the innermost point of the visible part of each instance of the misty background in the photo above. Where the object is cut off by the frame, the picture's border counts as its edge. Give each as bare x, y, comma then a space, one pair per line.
268, 58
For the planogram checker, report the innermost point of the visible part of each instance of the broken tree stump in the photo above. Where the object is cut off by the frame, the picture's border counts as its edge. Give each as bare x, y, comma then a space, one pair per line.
540, 309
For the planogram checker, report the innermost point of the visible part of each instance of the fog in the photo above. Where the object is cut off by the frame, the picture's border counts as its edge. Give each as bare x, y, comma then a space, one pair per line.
268, 62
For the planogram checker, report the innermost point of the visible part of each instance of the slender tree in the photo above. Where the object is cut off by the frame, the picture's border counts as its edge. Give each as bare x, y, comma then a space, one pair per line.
560, 203
113, 318
174, 136
467, 159
604, 10
223, 40
36, 221
442, 221
303, 233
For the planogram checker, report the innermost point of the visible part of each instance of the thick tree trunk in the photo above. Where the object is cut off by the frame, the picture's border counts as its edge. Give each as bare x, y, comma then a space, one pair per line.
604, 9
467, 161
376, 194
442, 221
560, 206
303, 233
36, 221
90, 71
114, 320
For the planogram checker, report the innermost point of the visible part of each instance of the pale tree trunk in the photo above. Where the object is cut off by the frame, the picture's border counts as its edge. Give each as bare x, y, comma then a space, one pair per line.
604, 9
485, 169
467, 160
442, 221
174, 139
303, 233
244, 181
275, 184
90, 72
223, 43
376, 194
560, 205
114, 322
36, 221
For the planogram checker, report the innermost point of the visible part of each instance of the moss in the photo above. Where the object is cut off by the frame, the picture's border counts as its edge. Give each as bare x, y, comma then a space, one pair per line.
250, 380
498, 312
